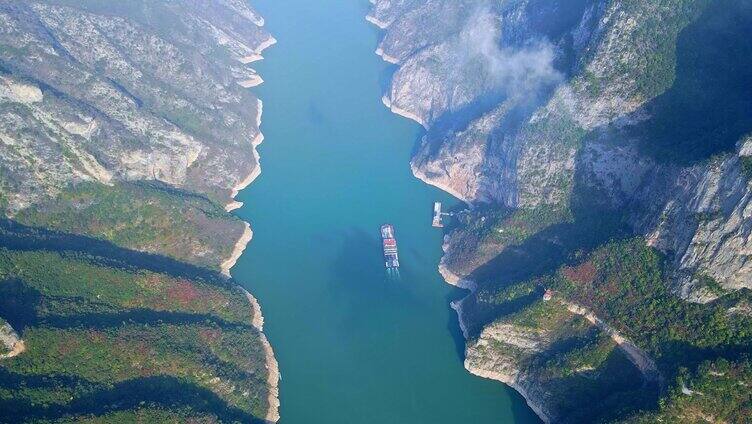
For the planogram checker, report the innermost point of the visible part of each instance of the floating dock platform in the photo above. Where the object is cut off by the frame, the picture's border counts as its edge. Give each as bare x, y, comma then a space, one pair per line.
437, 215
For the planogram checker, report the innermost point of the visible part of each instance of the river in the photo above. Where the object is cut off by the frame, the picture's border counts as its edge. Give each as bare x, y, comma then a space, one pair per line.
354, 344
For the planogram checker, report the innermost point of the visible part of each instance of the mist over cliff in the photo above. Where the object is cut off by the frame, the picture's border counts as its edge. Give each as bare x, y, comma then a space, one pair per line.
510, 71
608, 190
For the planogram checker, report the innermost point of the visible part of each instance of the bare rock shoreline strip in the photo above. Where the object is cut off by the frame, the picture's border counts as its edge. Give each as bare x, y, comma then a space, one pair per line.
272, 366
256, 171
240, 246
272, 415
402, 112
423, 177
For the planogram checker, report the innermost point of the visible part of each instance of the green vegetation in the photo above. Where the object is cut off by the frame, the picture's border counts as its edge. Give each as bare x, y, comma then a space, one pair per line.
109, 289
550, 142
647, 52
717, 392
200, 355
705, 108
655, 39
591, 353
142, 216
489, 225
710, 283
511, 293
558, 124
153, 415
508, 275
3, 326
113, 288
523, 223
746, 163
486, 232
144, 12
623, 283
593, 83
107, 341
577, 363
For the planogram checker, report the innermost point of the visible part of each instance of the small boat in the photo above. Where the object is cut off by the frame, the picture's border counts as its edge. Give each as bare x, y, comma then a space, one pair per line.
389, 244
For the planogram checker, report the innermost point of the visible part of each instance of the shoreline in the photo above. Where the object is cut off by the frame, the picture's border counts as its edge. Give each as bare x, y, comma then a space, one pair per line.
448, 276
495, 376
272, 366
256, 55
422, 176
257, 321
253, 57
385, 57
266, 44
457, 305
379, 24
254, 81
455, 280
402, 112
256, 171
240, 246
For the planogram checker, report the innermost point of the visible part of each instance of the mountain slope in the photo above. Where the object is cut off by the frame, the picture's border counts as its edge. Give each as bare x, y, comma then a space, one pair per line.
126, 129
606, 141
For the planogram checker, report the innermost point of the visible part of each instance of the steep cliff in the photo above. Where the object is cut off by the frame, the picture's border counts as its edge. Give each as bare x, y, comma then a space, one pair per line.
564, 125
126, 130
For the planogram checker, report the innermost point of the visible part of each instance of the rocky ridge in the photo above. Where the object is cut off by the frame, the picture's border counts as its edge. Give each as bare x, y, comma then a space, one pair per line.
132, 123
82, 78
545, 117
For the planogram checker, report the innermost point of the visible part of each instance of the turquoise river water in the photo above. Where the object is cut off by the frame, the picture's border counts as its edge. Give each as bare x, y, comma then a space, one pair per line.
354, 345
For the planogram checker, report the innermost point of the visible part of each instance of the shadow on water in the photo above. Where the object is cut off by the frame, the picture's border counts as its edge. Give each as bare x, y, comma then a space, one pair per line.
158, 391
385, 78
349, 261
453, 324
318, 117
375, 279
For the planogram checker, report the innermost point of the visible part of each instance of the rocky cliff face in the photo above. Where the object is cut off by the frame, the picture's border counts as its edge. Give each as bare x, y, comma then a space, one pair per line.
129, 126
92, 95
119, 94
699, 214
526, 156
566, 124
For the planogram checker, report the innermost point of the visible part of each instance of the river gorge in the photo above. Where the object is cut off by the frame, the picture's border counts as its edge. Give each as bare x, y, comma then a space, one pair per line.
353, 344
595, 157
